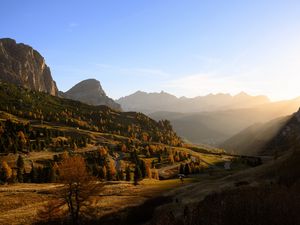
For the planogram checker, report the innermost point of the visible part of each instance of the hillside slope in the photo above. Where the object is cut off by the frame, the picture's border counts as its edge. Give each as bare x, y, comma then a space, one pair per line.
214, 128
253, 139
38, 106
287, 139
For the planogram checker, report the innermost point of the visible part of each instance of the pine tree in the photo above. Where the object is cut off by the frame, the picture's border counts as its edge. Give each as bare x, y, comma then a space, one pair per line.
20, 162
153, 164
142, 165
128, 173
187, 169
137, 174
20, 175
120, 175
181, 169
40, 175
108, 173
20, 169
103, 172
52, 174
33, 174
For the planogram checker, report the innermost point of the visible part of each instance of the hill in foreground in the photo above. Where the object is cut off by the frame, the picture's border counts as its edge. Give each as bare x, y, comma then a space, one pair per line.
41, 107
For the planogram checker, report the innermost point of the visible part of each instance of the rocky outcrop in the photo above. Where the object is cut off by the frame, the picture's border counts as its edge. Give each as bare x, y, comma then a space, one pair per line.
22, 65
90, 92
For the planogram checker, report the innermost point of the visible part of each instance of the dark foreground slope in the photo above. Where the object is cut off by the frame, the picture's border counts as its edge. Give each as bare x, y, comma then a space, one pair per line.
268, 194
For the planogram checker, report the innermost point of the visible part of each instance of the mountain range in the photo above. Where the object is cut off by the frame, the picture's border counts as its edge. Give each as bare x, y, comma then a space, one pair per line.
241, 123
24, 66
153, 102
216, 127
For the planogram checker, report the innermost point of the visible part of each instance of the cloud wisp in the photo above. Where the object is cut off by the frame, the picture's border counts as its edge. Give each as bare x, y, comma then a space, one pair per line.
133, 71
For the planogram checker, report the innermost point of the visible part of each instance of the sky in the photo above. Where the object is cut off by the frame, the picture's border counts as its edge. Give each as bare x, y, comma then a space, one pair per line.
187, 48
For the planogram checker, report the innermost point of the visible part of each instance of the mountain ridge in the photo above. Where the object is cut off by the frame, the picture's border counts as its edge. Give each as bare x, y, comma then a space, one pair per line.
22, 65
224, 124
151, 102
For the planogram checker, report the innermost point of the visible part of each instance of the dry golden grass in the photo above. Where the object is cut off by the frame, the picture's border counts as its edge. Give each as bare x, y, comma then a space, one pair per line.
20, 202
206, 159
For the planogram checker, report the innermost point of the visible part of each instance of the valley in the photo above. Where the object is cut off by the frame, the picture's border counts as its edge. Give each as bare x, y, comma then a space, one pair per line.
114, 193
78, 156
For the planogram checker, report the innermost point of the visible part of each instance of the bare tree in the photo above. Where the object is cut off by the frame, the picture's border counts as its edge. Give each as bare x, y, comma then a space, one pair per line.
79, 185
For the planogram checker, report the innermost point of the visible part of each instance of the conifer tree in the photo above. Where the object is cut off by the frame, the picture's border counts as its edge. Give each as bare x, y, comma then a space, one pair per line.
143, 169
120, 175
187, 169
181, 169
128, 173
137, 174
103, 172
20, 175
52, 174
108, 173
20, 169
33, 174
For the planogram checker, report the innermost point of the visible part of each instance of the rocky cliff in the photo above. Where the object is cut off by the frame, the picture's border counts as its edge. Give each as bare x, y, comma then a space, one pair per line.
22, 65
90, 92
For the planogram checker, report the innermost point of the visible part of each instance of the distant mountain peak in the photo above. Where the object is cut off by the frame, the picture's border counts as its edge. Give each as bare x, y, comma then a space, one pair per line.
242, 94
139, 92
91, 92
88, 85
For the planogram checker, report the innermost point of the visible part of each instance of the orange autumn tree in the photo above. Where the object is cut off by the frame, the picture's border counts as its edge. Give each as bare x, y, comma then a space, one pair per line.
5, 172
78, 186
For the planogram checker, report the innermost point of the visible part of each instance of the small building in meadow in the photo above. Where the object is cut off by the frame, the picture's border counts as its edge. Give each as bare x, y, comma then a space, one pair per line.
227, 165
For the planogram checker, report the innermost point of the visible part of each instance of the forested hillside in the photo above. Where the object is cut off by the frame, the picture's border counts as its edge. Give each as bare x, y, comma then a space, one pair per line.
40, 108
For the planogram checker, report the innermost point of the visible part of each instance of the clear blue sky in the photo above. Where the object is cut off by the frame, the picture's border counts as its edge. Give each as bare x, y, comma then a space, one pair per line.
189, 47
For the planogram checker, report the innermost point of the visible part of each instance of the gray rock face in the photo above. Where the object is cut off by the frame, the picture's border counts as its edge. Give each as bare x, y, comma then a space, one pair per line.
22, 65
90, 92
